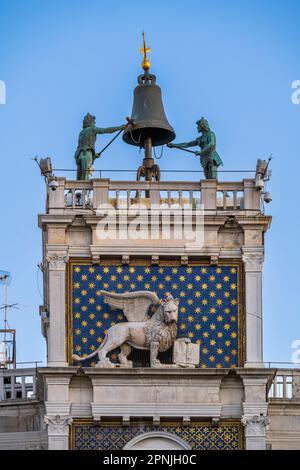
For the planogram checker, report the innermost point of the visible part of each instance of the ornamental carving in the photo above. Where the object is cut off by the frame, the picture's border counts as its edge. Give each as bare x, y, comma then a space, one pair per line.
57, 261
255, 425
58, 424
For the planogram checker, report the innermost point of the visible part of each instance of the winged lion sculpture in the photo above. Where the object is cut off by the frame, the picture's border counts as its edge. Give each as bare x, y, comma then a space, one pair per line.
156, 333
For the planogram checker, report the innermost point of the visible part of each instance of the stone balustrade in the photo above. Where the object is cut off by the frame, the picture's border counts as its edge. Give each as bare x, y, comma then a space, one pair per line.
216, 197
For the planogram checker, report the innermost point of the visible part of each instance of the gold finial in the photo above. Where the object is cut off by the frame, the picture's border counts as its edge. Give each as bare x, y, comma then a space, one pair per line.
144, 50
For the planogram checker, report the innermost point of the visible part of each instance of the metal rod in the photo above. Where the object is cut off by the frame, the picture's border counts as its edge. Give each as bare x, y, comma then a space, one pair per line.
185, 150
163, 171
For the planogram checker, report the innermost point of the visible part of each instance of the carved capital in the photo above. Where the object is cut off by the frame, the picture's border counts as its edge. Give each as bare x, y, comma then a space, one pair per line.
255, 425
58, 424
253, 260
154, 259
57, 261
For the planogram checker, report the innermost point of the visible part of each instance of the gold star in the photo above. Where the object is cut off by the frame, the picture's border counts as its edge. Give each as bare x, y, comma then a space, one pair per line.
131, 269
197, 278
77, 315
92, 316
98, 277
174, 270
190, 318
77, 269
77, 300
106, 269
84, 277
84, 340
99, 324
76, 285
91, 270
84, 323
92, 331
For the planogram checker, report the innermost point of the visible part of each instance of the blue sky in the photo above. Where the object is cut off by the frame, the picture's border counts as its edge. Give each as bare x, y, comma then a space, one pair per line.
230, 61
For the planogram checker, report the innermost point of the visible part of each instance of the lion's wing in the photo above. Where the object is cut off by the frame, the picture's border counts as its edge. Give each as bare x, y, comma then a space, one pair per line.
135, 305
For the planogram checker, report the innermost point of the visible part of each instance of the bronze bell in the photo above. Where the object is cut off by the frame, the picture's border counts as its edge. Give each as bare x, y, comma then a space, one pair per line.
148, 115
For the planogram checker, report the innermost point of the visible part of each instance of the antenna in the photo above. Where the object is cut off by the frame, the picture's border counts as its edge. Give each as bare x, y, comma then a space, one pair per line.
8, 343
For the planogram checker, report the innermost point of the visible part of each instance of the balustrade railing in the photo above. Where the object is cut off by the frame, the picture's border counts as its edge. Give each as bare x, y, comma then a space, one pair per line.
208, 194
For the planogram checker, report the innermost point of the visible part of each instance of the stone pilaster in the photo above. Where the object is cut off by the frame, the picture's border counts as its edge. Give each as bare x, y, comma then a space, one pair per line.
255, 431
57, 298
58, 431
253, 261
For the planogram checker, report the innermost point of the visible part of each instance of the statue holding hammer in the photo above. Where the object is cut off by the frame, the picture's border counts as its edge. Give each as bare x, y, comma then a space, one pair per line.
85, 154
209, 158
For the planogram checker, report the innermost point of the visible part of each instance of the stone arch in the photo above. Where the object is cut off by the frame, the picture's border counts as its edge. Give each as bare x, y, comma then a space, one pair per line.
157, 440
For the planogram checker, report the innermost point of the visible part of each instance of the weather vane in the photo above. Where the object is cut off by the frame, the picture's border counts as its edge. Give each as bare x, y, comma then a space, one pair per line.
144, 50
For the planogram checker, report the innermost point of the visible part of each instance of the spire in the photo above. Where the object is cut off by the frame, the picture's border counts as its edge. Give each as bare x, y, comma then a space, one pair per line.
144, 50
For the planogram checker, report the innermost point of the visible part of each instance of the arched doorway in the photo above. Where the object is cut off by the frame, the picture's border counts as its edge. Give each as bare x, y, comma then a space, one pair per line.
157, 440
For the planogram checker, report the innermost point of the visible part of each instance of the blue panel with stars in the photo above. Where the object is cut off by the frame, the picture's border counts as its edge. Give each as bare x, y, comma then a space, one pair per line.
208, 308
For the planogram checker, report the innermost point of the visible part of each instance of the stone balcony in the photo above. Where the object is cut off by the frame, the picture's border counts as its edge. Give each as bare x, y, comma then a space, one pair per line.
215, 197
